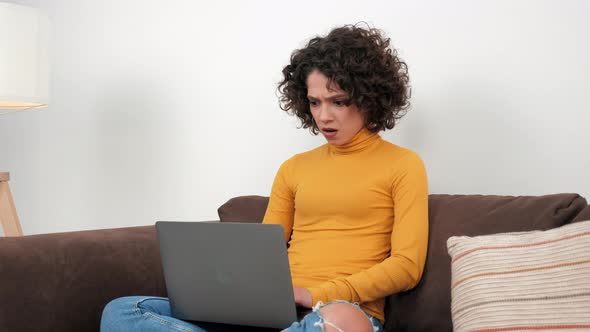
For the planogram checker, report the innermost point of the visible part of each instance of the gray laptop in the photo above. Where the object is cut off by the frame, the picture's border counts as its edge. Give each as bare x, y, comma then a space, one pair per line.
231, 273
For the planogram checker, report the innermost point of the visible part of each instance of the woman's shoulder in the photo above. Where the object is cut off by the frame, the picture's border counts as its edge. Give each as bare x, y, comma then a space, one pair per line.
397, 152
305, 156
314, 153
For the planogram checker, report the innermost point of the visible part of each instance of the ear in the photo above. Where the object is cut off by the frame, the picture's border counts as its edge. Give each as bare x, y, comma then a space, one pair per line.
368, 124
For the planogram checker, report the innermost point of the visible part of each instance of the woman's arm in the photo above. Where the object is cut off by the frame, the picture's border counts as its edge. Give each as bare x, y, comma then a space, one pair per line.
281, 204
281, 211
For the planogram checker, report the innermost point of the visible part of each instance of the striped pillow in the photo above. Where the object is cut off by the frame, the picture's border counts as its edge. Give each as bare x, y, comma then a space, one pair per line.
529, 281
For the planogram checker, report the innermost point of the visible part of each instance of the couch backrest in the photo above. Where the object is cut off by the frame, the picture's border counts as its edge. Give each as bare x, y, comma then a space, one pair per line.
243, 209
427, 307
583, 215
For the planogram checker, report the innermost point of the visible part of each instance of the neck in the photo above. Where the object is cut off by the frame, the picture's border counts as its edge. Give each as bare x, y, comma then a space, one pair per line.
362, 140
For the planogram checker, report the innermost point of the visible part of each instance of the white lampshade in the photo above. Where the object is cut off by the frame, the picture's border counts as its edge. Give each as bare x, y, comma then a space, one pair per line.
24, 72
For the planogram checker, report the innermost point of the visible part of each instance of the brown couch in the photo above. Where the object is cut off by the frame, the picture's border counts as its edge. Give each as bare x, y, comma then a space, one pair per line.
61, 282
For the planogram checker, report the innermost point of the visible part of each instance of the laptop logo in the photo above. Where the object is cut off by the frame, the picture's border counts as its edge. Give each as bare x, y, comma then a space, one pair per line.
223, 275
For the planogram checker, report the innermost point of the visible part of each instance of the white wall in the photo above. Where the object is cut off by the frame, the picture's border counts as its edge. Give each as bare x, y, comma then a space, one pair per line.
164, 110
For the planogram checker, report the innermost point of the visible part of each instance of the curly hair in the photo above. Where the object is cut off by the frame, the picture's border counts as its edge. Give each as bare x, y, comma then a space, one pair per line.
363, 65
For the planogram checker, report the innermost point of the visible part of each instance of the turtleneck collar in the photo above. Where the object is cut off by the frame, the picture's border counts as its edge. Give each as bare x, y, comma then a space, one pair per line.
363, 139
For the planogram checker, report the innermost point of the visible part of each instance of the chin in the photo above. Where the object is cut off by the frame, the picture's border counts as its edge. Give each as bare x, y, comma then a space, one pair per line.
338, 142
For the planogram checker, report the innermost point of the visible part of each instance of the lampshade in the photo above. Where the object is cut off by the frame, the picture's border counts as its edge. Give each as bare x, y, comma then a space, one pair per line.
24, 73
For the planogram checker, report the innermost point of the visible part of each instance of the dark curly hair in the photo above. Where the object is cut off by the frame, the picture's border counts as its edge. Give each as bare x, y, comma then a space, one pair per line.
361, 62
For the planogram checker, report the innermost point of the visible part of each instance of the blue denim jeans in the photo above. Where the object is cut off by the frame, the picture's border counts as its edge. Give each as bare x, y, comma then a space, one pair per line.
152, 314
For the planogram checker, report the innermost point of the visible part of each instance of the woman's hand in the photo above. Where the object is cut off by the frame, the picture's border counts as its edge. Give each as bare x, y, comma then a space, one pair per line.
302, 296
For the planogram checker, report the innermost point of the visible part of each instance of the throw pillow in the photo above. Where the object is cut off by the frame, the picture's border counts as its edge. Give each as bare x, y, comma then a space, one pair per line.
522, 281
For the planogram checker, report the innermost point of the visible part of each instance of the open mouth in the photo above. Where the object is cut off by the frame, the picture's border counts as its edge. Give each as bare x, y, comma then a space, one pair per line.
329, 132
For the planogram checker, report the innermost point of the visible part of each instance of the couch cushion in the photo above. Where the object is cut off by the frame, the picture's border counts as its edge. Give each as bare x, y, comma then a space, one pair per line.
584, 215
542, 273
428, 306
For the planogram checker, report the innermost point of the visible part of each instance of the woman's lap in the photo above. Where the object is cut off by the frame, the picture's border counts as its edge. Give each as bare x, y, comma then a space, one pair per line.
152, 314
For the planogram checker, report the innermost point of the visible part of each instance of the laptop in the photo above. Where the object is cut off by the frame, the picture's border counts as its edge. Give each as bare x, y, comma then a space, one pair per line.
230, 273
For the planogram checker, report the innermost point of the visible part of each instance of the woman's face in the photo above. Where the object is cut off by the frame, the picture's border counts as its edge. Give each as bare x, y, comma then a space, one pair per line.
336, 118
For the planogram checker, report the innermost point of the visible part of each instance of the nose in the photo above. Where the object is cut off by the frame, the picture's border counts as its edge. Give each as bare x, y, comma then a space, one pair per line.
325, 114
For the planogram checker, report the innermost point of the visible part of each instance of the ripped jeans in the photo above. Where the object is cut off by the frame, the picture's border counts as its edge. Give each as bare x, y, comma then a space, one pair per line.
152, 314
314, 322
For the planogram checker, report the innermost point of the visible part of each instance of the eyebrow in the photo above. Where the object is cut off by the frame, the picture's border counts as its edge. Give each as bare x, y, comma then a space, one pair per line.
338, 96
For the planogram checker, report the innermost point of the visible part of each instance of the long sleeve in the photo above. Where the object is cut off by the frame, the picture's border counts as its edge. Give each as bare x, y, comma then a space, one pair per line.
281, 206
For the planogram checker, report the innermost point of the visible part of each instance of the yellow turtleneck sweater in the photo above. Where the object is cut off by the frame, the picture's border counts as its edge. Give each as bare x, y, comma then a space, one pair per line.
356, 219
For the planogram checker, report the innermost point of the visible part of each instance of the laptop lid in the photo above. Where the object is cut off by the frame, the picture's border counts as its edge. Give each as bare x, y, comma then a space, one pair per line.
232, 273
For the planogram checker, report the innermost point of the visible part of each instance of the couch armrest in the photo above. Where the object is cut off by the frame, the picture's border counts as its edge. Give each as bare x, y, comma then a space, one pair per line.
62, 281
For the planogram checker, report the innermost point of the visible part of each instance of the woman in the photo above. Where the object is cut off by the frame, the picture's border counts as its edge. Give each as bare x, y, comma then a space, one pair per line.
354, 210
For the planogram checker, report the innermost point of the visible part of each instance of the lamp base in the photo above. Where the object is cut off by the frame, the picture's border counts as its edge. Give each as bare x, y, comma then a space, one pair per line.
8, 216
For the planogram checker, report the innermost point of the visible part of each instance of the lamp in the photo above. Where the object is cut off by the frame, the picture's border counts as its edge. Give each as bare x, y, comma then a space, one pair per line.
23, 81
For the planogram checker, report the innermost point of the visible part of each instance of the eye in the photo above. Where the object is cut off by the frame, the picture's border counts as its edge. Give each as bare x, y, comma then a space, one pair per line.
339, 103
313, 103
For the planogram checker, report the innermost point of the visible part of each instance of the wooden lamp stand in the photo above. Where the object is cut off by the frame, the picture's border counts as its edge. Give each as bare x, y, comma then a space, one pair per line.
8, 216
